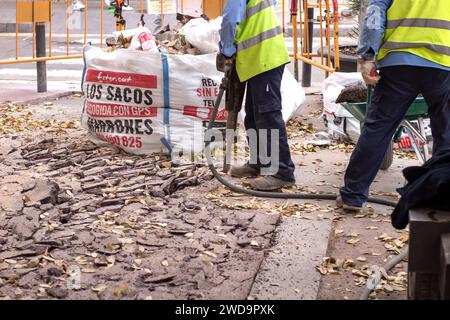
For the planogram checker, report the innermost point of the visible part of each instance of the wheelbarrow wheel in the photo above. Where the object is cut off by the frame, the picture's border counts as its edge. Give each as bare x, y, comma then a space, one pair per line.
388, 158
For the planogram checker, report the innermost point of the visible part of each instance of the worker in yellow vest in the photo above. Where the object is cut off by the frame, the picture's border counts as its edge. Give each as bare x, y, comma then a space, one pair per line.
252, 35
408, 41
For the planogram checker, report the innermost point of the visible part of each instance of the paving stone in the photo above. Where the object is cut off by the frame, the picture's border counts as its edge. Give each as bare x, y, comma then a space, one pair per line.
17, 253
26, 182
58, 292
11, 203
28, 281
102, 210
156, 225
10, 188
55, 272
289, 270
23, 227
44, 190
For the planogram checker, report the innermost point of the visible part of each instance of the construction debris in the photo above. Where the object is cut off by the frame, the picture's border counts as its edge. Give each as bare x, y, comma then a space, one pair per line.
169, 40
116, 226
353, 94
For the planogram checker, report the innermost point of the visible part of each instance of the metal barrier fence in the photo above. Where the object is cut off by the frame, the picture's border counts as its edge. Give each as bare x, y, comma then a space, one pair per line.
39, 14
303, 16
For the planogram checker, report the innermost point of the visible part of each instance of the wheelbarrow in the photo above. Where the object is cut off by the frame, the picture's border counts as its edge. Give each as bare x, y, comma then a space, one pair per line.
418, 111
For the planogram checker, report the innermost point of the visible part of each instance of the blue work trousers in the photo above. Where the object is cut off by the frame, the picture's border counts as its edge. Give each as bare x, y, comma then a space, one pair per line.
398, 88
263, 112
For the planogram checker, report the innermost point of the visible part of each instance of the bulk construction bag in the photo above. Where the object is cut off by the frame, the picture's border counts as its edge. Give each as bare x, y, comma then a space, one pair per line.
150, 102
143, 102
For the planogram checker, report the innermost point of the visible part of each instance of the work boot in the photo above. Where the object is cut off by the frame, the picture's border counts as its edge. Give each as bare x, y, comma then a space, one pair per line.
347, 208
245, 171
270, 183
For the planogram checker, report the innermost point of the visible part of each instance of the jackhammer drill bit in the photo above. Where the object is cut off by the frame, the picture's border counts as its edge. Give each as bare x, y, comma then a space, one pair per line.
233, 102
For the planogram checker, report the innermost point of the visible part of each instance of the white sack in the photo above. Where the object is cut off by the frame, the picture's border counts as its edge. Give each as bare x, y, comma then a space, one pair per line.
293, 97
124, 103
337, 117
292, 94
202, 34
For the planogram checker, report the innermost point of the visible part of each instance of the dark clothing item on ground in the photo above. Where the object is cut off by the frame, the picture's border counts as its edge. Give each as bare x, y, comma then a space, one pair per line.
263, 112
428, 187
398, 88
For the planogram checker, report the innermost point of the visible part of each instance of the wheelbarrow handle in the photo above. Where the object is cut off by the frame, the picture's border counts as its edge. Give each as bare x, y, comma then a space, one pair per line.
369, 94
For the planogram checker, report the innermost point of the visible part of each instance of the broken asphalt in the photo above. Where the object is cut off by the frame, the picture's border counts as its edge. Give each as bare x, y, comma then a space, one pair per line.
84, 222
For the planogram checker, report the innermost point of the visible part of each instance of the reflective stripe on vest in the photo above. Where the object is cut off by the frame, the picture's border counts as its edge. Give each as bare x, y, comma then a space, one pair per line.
419, 23
434, 47
259, 40
259, 7
420, 27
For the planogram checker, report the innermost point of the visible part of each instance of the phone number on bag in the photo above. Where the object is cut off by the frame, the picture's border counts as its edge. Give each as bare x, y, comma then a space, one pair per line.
123, 141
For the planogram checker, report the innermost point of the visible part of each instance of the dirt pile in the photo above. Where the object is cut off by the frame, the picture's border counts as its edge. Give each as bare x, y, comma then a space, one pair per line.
353, 94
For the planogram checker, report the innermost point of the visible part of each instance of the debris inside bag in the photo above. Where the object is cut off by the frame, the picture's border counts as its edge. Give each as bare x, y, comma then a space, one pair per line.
120, 43
168, 40
174, 43
184, 19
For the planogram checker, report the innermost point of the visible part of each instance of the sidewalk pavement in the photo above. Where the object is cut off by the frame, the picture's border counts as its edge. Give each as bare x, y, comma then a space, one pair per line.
26, 93
8, 14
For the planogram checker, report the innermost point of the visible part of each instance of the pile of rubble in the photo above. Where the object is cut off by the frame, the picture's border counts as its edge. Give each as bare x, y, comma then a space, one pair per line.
174, 43
83, 222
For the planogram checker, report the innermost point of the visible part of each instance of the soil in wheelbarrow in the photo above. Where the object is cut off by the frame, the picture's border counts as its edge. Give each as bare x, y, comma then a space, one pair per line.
353, 94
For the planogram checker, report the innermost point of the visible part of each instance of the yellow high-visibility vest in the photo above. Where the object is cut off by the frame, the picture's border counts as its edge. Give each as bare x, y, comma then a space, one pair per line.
420, 27
260, 42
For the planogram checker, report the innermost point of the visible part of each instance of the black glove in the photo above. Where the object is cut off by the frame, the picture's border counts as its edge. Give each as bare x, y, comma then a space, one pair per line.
222, 62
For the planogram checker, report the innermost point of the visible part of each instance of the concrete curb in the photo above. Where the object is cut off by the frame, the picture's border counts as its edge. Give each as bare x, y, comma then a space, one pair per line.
288, 271
10, 27
45, 97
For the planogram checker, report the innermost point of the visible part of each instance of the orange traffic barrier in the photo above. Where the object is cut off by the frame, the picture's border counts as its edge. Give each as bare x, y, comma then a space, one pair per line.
31, 12
41, 11
302, 51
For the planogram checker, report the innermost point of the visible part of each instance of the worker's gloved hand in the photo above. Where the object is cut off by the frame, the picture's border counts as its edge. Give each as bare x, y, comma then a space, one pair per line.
223, 61
369, 72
